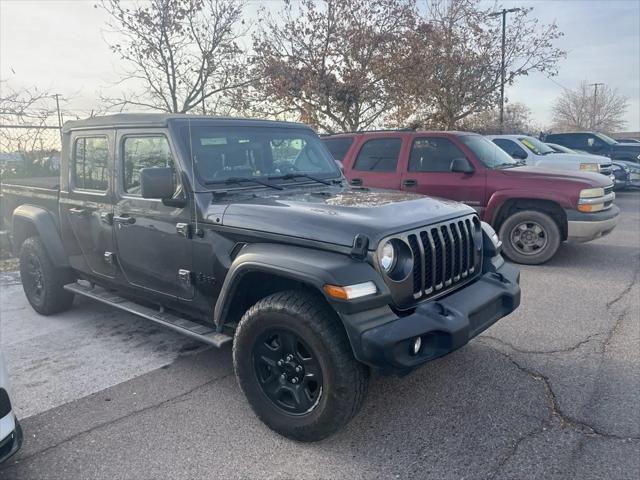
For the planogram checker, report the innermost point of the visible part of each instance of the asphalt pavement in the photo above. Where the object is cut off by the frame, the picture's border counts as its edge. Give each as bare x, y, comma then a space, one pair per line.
552, 391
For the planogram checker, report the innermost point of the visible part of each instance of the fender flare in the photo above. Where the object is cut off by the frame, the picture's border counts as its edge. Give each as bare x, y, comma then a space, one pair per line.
44, 223
311, 267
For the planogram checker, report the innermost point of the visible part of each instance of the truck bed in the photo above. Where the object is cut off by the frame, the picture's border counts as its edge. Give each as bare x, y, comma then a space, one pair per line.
52, 183
42, 192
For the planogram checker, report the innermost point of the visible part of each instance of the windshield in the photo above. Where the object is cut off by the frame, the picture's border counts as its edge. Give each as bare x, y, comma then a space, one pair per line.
536, 146
606, 139
227, 154
561, 148
489, 154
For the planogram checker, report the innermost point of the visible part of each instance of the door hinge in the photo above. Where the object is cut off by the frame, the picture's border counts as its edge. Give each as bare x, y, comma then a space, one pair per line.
110, 258
185, 277
183, 229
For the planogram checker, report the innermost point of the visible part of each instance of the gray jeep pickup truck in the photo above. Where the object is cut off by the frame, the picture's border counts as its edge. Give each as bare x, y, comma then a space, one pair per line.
245, 231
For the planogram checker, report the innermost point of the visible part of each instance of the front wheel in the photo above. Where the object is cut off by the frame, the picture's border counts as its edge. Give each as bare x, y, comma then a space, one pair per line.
294, 364
42, 282
530, 237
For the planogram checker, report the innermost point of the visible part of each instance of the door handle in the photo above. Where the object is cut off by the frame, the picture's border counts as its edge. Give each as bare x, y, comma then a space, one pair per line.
410, 182
125, 219
356, 182
77, 211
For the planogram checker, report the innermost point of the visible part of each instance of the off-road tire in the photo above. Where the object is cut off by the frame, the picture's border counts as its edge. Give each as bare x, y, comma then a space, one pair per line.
52, 298
551, 232
344, 380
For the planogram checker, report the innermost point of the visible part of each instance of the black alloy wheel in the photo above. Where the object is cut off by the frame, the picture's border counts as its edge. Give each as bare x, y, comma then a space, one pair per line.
288, 371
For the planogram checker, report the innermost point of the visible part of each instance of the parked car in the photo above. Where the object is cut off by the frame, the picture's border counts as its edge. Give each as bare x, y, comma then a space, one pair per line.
246, 231
534, 209
10, 431
598, 144
621, 169
535, 153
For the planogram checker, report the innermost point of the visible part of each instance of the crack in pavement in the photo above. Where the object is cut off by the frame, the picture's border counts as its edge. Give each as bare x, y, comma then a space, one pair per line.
175, 399
571, 348
555, 412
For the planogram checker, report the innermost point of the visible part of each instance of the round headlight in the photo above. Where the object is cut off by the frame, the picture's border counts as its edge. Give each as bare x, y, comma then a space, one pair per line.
387, 257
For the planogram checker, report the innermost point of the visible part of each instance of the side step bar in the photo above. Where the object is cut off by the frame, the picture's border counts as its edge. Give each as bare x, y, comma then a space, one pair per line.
198, 331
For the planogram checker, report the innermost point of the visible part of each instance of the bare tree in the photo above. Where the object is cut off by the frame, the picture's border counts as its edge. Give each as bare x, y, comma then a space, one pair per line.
24, 115
184, 54
584, 109
517, 119
456, 59
332, 63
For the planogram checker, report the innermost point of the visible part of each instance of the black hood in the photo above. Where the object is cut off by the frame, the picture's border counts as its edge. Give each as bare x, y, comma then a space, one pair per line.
334, 215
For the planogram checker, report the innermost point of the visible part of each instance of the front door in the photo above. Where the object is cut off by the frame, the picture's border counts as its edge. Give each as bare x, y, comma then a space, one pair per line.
152, 252
429, 172
86, 204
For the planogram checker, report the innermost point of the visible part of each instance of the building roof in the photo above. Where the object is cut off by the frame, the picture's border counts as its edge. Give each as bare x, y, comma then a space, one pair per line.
158, 120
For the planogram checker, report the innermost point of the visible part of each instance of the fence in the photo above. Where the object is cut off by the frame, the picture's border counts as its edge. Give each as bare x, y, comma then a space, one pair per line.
28, 151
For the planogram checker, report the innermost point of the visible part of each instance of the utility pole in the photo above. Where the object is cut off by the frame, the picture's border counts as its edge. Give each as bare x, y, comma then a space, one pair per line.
503, 12
59, 114
595, 103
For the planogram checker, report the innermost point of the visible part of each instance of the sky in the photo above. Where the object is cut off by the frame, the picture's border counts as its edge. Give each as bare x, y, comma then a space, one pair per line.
60, 46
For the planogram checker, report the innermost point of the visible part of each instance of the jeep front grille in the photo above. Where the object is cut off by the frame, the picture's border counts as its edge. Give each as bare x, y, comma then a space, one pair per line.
444, 255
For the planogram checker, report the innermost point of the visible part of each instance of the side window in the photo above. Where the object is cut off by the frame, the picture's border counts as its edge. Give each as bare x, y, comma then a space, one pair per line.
338, 147
378, 155
511, 147
433, 155
143, 152
559, 139
578, 140
90, 165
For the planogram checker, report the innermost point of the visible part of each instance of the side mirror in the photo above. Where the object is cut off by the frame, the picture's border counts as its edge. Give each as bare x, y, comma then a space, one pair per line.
157, 183
518, 156
461, 165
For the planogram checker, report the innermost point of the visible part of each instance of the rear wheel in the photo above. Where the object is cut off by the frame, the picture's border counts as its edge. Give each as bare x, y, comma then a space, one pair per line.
41, 281
295, 366
530, 237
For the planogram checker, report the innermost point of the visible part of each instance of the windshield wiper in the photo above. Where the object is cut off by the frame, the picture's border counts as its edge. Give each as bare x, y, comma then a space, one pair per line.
508, 165
240, 180
291, 176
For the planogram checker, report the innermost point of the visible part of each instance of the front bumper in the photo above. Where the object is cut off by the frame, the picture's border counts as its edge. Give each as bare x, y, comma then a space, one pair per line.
583, 227
11, 443
444, 325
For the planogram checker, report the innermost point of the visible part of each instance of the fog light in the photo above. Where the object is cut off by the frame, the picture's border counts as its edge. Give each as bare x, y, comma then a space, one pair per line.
417, 344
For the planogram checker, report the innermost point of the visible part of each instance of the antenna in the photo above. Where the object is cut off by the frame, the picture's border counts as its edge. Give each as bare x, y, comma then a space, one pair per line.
193, 177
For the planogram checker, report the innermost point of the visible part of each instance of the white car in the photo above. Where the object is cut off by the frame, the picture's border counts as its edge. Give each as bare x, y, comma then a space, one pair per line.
10, 431
533, 152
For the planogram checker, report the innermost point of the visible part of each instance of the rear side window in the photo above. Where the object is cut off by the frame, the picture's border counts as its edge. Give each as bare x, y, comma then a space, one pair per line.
433, 154
511, 147
338, 147
143, 152
379, 155
90, 165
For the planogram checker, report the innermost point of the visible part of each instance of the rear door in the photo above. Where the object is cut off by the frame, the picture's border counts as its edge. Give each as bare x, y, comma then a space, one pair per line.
376, 163
153, 254
86, 207
429, 172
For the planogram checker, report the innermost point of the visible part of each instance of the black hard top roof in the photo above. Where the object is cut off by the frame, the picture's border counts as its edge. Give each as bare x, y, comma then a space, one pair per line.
158, 120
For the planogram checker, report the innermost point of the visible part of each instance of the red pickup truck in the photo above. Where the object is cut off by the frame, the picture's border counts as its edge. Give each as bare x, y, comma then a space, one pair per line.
533, 209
